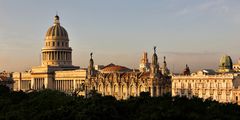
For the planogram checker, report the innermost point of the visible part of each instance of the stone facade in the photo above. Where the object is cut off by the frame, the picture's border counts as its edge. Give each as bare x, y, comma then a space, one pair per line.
57, 72
219, 87
123, 82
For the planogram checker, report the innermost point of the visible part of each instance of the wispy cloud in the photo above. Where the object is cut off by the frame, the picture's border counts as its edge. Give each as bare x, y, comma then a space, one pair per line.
192, 53
208, 6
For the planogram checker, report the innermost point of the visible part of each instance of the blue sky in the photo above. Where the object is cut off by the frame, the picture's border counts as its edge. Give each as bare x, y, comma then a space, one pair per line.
194, 32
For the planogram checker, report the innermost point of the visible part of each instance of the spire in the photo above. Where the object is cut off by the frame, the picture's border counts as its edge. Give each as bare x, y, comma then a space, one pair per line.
154, 57
91, 62
154, 65
187, 71
56, 20
144, 64
91, 70
154, 49
91, 54
164, 60
165, 70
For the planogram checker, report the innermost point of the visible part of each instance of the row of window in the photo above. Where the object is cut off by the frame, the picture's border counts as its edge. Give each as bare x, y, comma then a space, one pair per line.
223, 81
202, 85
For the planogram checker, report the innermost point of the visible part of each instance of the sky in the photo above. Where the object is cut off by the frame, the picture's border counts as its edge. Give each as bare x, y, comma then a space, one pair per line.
193, 32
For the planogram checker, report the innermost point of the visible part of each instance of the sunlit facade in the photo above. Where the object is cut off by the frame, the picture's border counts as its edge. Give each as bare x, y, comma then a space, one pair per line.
222, 86
57, 72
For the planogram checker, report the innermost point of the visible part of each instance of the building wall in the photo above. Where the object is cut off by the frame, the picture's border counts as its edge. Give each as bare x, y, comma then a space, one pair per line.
217, 87
66, 81
124, 87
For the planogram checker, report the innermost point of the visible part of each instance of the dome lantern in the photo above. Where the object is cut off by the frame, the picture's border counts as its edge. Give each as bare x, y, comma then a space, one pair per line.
56, 20
56, 51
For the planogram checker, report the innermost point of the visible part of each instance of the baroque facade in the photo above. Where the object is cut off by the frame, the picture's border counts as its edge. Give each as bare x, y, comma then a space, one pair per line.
57, 72
122, 82
222, 86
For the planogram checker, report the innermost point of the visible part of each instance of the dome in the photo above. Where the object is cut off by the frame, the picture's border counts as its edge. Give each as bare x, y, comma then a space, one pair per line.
114, 68
56, 30
226, 62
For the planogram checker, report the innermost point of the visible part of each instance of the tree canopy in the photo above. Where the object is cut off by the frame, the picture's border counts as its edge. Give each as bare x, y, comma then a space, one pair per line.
55, 105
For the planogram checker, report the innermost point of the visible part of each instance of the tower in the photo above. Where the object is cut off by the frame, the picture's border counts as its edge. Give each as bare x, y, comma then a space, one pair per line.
144, 64
154, 71
91, 70
164, 69
56, 51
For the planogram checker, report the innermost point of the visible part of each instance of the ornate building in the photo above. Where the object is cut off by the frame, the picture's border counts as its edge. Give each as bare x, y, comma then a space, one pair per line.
222, 86
57, 72
122, 82
236, 67
144, 64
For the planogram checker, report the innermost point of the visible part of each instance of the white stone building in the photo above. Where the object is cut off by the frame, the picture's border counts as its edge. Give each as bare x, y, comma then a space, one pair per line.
223, 86
57, 72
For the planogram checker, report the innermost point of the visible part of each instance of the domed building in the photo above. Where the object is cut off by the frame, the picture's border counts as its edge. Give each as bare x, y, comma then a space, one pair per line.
56, 51
57, 72
225, 64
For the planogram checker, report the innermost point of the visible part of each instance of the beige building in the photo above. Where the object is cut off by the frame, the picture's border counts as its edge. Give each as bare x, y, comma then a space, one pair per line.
236, 67
122, 82
223, 86
57, 72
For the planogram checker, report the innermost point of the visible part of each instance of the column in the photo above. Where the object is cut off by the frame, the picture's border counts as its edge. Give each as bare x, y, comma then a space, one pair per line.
128, 91
61, 87
157, 91
60, 55
58, 84
111, 89
64, 53
74, 84
152, 91
49, 56
37, 83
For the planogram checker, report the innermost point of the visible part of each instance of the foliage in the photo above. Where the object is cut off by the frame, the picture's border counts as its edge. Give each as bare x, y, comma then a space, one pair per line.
55, 105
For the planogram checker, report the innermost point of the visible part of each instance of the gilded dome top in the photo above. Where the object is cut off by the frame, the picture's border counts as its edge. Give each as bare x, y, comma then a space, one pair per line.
56, 30
226, 62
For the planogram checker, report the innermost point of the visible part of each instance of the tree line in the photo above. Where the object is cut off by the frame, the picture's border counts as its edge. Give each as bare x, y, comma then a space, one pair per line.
55, 105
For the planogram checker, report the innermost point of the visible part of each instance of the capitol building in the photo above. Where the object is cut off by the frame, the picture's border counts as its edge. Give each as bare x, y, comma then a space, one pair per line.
57, 72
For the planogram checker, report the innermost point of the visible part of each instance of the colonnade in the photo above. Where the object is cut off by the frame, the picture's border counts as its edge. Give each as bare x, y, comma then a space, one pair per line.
38, 83
64, 85
56, 55
124, 91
